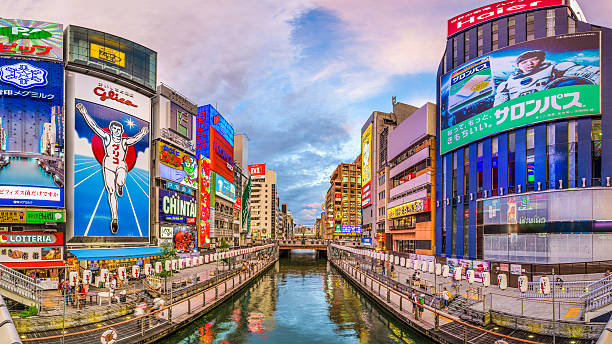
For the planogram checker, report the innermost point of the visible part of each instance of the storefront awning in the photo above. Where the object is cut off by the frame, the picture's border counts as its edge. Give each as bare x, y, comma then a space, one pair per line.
115, 253
34, 265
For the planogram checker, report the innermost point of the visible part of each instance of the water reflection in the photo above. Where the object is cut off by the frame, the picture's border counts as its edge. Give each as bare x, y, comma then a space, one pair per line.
301, 300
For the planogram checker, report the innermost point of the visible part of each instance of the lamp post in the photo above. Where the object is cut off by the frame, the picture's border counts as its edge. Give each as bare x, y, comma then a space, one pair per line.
553, 305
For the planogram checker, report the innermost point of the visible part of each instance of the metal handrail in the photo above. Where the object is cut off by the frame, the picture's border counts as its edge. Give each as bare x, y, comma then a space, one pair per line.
20, 284
569, 290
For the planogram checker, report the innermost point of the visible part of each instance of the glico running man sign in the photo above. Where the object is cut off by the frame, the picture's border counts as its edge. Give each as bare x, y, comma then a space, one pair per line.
111, 159
536, 81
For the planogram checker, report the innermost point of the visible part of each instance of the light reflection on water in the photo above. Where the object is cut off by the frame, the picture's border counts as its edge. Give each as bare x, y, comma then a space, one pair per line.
301, 300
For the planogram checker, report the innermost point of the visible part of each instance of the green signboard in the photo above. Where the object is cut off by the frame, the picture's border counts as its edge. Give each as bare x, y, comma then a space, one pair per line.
338, 229
44, 216
531, 82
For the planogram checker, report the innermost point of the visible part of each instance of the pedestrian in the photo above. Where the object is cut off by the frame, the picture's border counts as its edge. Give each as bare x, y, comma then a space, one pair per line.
392, 271
607, 273
140, 308
158, 304
415, 303
421, 305
446, 297
112, 289
373, 263
70, 291
382, 266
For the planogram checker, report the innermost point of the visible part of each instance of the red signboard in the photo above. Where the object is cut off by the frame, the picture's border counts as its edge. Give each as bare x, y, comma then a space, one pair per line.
238, 203
31, 238
366, 194
496, 10
258, 171
221, 156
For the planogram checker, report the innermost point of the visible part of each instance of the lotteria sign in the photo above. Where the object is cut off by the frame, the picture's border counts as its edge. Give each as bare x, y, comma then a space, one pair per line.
30, 238
496, 10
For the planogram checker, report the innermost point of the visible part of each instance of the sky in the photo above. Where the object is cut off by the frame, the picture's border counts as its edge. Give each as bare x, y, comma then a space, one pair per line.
299, 78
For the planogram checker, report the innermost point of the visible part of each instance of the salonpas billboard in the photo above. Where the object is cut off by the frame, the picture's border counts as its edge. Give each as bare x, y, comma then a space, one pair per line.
540, 80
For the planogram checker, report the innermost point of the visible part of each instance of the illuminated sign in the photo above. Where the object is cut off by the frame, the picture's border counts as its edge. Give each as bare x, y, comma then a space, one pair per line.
535, 81
351, 229
203, 133
32, 39
166, 232
30, 238
258, 171
225, 189
177, 166
500, 9
410, 208
176, 207
366, 166
44, 216
178, 187
204, 202
12, 216
222, 156
107, 54
23, 75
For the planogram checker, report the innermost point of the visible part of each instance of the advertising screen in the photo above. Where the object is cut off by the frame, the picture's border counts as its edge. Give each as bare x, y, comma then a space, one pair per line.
540, 80
31, 133
30, 254
366, 166
203, 133
184, 239
111, 160
219, 123
177, 207
257, 171
410, 208
176, 166
221, 156
204, 202
496, 10
31, 39
225, 189
112, 54
181, 121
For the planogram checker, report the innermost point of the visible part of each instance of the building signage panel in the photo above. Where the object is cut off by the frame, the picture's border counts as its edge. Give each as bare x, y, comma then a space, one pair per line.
176, 207
524, 210
496, 10
184, 239
366, 241
30, 254
222, 156
31, 39
219, 123
203, 133
257, 171
181, 121
204, 202
225, 189
410, 208
111, 159
535, 81
351, 229
176, 166
366, 166
166, 232
44, 216
178, 187
30, 238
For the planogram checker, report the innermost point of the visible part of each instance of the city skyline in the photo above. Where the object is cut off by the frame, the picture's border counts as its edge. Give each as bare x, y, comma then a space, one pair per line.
314, 71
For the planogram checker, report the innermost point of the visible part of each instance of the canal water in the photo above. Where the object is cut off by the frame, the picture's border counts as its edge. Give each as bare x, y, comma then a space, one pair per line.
301, 300
25, 171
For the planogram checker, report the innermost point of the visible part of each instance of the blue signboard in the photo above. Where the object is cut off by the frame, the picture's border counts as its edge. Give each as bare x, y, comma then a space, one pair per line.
203, 133
177, 207
179, 187
225, 189
31, 133
351, 229
366, 241
217, 121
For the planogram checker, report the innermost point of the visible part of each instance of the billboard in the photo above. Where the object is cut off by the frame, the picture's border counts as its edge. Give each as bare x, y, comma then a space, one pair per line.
204, 202
418, 206
111, 159
535, 81
219, 123
221, 156
177, 207
366, 166
225, 189
496, 10
184, 239
30, 216
351, 229
202, 133
112, 54
176, 166
174, 119
258, 171
31, 133
31, 39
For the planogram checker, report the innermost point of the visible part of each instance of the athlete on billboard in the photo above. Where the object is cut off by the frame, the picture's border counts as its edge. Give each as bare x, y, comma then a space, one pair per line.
115, 167
533, 73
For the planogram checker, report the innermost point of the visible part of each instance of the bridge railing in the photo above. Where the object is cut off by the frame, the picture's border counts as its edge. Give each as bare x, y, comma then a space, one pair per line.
20, 284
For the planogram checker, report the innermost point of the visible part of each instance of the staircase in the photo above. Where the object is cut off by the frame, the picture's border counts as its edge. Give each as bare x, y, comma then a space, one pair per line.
598, 298
19, 287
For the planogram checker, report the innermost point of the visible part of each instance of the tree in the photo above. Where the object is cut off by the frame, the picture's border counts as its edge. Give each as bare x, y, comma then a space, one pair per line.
168, 253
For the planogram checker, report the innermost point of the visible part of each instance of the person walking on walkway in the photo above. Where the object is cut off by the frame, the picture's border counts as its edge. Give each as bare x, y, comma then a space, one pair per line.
446, 297
415, 302
421, 303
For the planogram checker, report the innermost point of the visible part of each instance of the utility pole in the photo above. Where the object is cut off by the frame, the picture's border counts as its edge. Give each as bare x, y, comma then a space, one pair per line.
553, 301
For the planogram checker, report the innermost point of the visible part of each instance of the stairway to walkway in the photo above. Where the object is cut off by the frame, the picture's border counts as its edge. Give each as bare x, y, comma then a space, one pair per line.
19, 287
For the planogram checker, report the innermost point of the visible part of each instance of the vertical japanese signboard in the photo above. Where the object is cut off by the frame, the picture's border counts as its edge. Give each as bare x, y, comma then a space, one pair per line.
366, 166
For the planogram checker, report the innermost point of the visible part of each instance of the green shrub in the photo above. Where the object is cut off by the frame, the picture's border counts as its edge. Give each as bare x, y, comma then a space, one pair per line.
31, 311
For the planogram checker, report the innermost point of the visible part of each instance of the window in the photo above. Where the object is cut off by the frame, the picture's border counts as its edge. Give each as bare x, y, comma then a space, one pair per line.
381, 195
455, 62
466, 171
571, 25
596, 152
511, 156
454, 174
381, 179
480, 168
550, 23
381, 211
572, 149
550, 157
480, 42
494, 166
495, 36
511, 31
466, 47
530, 27
530, 160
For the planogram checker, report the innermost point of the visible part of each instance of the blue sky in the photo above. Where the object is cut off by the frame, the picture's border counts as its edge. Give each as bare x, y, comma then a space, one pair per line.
298, 77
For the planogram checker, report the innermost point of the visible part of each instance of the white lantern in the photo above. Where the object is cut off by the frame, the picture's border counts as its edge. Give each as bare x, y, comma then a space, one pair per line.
181, 263
438, 269
417, 264
148, 269
397, 260
424, 266
502, 281
194, 261
201, 259
174, 264
408, 263
121, 273
445, 271
522, 281
104, 275
458, 273
135, 271
486, 278
470, 276
158, 267
87, 277
545, 285
432, 267
403, 262
168, 266
206, 258
187, 262
74, 278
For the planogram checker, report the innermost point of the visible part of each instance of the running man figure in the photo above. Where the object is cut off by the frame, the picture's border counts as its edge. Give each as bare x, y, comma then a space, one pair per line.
115, 167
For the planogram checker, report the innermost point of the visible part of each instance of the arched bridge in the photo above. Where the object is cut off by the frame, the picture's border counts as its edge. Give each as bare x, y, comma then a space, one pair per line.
312, 244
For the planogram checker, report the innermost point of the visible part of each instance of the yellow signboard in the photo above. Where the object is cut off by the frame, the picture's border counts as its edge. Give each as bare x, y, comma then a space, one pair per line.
12, 216
418, 206
366, 155
107, 54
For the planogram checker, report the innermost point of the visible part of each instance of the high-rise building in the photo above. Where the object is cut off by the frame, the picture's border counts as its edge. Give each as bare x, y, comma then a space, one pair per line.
524, 155
263, 206
411, 154
241, 179
374, 170
343, 212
